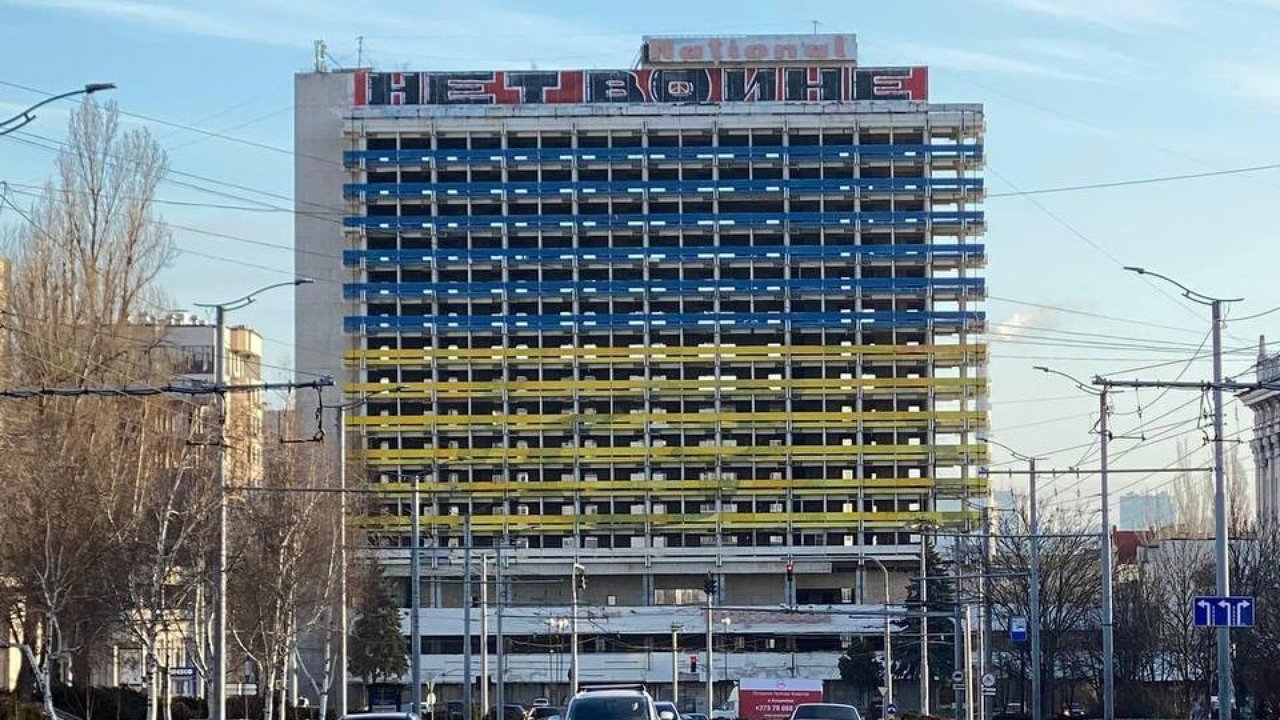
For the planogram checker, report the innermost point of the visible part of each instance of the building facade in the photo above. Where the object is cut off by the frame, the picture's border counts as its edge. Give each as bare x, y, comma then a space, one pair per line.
683, 319
1265, 404
1146, 511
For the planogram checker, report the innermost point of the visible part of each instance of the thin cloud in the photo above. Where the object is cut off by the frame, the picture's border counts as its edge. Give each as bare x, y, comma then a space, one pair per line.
299, 23
1254, 82
983, 62
1119, 15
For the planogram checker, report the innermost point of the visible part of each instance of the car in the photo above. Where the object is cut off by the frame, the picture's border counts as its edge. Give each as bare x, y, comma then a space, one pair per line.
612, 702
545, 712
388, 715
667, 710
694, 716
825, 711
509, 712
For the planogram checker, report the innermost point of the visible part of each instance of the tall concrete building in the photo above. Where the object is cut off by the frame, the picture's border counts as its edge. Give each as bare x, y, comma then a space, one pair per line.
707, 315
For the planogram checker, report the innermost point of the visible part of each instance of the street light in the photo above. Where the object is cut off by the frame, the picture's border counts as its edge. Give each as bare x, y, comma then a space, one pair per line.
27, 116
579, 582
888, 637
1225, 688
1037, 709
1108, 610
342, 533
218, 709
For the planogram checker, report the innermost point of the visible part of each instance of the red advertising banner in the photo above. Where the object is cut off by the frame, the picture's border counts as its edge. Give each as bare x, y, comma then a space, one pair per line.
775, 699
839, 83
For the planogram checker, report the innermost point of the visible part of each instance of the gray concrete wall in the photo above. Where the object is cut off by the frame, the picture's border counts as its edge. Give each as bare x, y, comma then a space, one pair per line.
321, 100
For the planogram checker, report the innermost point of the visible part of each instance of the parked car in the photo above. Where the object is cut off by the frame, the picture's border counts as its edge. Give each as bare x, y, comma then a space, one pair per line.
694, 716
667, 710
509, 712
825, 711
545, 712
380, 716
612, 703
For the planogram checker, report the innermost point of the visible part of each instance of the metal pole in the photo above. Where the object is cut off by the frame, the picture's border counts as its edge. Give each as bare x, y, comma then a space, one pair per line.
343, 627
1037, 708
675, 664
502, 638
573, 632
988, 702
924, 624
1221, 530
711, 689
468, 680
968, 661
956, 637
888, 639
1108, 612
415, 599
219, 704
484, 636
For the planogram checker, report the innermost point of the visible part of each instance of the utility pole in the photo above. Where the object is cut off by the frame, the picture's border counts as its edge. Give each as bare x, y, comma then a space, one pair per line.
1226, 689
502, 639
415, 599
343, 626
1037, 707
469, 679
219, 704
579, 581
1220, 525
484, 636
925, 675
675, 664
1108, 607
1108, 611
218, 701
985, 593
710, 587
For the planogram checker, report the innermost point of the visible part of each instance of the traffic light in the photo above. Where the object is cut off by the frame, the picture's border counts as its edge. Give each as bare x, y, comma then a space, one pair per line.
709, 585
791, 571
581, 574
693, 663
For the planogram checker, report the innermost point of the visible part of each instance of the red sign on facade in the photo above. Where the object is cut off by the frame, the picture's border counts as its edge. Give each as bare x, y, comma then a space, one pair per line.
812, 83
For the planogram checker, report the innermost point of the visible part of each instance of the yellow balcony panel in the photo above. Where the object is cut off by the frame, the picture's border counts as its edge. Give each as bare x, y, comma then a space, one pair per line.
468, 456
566, 388
699, 521
641, 420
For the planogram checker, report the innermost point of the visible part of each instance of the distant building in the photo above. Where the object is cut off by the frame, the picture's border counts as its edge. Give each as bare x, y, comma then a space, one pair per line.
193, 342
1146, 511
1266, 434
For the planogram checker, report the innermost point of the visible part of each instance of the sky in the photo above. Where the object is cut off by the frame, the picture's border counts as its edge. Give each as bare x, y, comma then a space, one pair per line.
1076, 92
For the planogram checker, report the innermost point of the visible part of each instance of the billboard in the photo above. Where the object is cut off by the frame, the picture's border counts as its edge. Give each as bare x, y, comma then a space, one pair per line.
775, 698
755, 49
836, 83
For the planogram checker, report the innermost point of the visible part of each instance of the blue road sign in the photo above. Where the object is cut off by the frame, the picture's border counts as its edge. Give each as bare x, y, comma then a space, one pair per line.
1018, 629
1232, 611
891, 709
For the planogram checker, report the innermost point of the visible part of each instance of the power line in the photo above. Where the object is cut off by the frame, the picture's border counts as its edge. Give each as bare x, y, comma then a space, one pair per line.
1136, 181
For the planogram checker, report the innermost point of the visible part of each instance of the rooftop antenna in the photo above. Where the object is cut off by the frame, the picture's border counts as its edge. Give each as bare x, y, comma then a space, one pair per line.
320, 53
359, 51
816, 23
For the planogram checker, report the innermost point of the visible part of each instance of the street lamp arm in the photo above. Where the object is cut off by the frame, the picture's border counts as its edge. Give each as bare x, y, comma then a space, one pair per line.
249, 299
1187, 292
26, 116
1083, 386
1017, 455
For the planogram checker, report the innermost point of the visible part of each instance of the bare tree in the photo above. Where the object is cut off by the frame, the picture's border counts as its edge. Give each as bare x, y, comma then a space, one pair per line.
1070, 581
285, 544
84, 267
